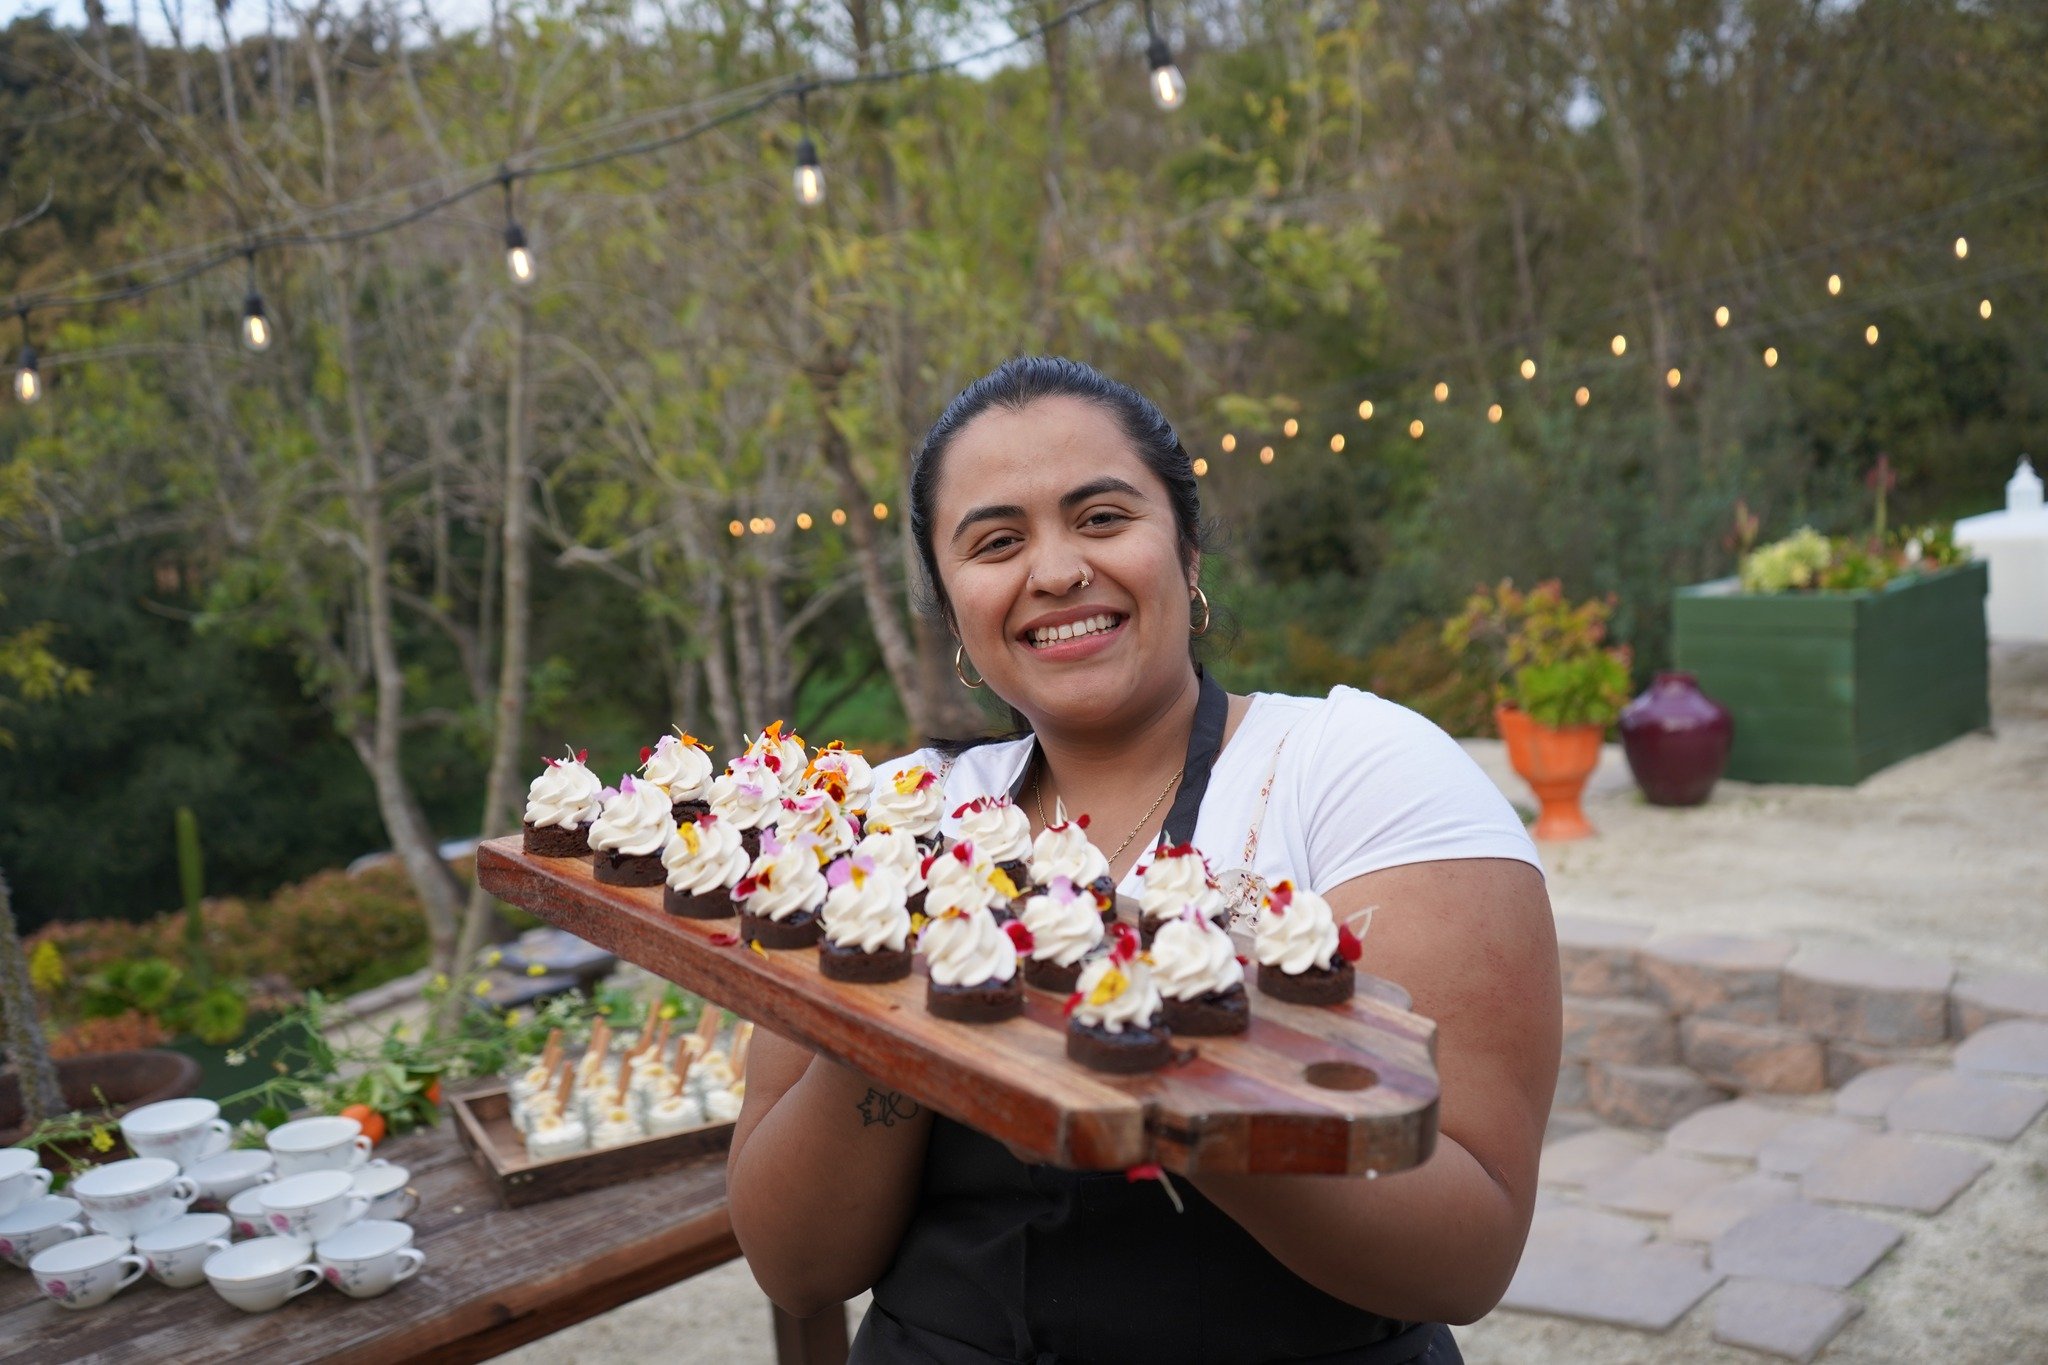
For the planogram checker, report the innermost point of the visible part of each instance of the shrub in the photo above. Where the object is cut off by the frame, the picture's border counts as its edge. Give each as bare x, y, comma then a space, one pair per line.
1420, 673
1548, 657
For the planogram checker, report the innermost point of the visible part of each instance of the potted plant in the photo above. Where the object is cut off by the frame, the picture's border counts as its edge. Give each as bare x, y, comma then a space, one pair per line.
1557, 687
1841, 655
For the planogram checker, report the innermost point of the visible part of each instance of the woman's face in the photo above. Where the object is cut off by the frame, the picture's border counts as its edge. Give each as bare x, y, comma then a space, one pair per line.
1026, 502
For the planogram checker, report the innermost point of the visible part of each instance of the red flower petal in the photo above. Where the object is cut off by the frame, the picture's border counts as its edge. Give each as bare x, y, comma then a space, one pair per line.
1072, 1001
1348, 946
1019, 935
1127, 943
1148, 1170
724, 940
744, 888
583, 755
645, 753
1082, 820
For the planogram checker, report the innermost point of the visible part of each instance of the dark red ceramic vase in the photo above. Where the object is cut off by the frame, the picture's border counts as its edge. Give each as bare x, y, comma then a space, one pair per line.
1677, 740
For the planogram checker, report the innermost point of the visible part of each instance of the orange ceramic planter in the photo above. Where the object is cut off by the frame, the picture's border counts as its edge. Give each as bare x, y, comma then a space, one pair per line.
1555, 764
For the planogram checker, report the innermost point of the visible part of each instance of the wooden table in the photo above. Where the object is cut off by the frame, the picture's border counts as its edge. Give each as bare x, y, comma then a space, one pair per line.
494, 1279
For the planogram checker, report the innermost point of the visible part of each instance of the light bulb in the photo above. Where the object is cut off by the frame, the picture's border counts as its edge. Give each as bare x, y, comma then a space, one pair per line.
839, 516
1265, 454
1365, 411
809, 177
1169, 88
1442, 392
518, 255
1619, 345
28, 381
738, 528
1672, 377
255, 325
1528, 368
1962, 247
1229, 442
1721, 316
1770, 357
1583, 396
881, 511
1870, 335
1415, 428
756, 525
1337, 442
1834, 284
803, 521
1493, 412
1984, 310
1201, 466
1289, 427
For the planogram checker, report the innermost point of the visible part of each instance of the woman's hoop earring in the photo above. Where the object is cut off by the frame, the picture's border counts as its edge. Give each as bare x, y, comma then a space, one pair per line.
1203, 598
960, 672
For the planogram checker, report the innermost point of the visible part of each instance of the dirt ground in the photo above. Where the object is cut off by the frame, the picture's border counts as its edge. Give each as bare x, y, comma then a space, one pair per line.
1945, 855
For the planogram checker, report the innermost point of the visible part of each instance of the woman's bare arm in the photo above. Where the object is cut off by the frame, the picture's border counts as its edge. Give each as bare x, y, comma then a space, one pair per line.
823, 1175
1474, 942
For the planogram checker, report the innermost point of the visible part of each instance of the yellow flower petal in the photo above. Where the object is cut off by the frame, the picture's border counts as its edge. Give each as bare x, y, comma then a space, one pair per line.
1108, 987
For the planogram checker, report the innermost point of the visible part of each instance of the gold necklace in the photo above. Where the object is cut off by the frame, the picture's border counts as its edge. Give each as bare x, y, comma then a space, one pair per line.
1038, 794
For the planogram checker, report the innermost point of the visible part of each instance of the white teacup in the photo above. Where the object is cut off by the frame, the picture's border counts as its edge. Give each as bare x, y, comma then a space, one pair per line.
133, 1196
185, 1131
221, 1178
86, 1271
365, 1259
384, 1187
22, 1178
176, 1252
245, 1211
38, 1224
312, 1206
328, 1143
259, 1275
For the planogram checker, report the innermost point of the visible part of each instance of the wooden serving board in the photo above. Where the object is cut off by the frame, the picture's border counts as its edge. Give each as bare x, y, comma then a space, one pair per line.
1345, 1090
483, 1122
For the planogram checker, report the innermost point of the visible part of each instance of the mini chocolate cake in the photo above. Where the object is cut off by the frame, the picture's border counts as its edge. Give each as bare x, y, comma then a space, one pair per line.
836, 963
1210, 1016
1018, 870
710, 905
628, 869
1134, 1049
985, 1003
800, 930
1331, 985
750, 840
686, 812
1050, 976
552, 841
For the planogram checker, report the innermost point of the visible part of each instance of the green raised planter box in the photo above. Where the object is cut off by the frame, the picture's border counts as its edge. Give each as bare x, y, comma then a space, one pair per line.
1830, 687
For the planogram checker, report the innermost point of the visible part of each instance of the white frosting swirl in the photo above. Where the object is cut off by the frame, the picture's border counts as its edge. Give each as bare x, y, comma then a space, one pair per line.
1193, 957
788, 752
1064, 923
994, 825
681, 767
746, 795
967, 948
785, 881
858, 773
1113, 995
1177, 879
961, 879
1297, 936
911, 802
865, 908
567, 794
897, 851
1064, 850
703, 856
635, 820
815, 816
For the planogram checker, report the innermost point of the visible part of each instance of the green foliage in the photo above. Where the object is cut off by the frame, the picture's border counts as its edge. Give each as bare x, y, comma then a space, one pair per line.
161, 990
1807, 561
1797, 561
1548, 656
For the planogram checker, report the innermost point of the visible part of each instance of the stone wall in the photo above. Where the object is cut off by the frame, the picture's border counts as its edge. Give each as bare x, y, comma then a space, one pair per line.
1659, 1025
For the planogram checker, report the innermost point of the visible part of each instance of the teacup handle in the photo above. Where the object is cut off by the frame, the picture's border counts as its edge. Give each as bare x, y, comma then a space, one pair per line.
76, 1227
215, 1244
41, 1176
412, 1202
410, 1259
311, 1273
266, 1177
136, 1266
361, 1142
219, 1138
358, 1205
185, 1189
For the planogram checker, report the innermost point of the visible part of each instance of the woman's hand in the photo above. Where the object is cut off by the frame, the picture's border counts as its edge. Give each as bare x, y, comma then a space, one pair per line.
823, 1175
1474, 942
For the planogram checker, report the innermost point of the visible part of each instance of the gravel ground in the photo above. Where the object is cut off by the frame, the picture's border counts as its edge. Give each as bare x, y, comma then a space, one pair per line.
1943, 855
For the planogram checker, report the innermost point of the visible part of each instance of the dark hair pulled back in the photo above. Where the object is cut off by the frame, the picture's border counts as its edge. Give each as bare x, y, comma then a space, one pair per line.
1017, 383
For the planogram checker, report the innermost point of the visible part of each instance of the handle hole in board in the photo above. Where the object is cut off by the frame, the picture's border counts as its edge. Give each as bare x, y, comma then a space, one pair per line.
1340, 1076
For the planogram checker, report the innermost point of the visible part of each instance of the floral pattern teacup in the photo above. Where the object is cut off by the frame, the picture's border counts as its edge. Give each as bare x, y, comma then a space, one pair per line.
366, 1259
312, 1206
86, 1271
37, 1225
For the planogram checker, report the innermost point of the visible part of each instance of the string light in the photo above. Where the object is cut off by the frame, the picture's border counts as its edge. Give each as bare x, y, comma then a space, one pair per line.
803, 521
1870, 335
1201, 467
1265, 454
1528, 367
1442, 392
1289, 427
1721, 316
839, 516
518, 255
1962, 248
768, 525
1619, 345
1229, 442
1169, 87
1984, 309
1583, 396
1337, 443
1493, 412
881, 511
737, 528
756, 525
1365, 411
809, 176
255, 324
1415, 428
1834, 284
1770, 357
1672, 376
28, 380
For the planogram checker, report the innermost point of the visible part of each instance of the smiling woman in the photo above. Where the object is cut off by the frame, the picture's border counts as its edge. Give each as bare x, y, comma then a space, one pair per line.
1057, 517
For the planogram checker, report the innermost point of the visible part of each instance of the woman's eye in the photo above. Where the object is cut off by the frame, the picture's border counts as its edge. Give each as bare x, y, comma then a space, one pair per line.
995, 543
1103, 518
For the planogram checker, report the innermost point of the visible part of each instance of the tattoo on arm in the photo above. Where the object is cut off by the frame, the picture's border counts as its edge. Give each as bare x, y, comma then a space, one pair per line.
885, 1107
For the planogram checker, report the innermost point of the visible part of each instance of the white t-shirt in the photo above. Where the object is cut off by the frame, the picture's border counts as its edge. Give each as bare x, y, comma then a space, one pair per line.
1359, 783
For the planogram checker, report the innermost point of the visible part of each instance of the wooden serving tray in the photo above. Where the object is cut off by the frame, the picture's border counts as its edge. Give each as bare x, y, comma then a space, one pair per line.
1344, 1090
483, 1121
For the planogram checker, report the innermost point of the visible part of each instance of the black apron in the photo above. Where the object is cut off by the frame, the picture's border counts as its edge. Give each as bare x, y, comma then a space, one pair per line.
1004, 1262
